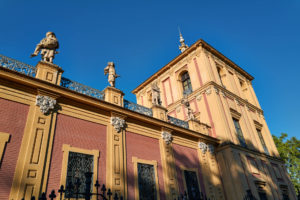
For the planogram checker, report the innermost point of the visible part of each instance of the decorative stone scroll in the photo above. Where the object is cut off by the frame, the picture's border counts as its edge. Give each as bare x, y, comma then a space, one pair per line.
45, 103
118, 123
167, 137
202, 146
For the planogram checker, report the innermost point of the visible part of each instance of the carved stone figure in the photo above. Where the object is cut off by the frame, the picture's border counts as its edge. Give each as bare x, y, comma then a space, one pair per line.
111, 71
45, 103
190, 113
155, 94
167, 137
47, 47
202, 147
118, 123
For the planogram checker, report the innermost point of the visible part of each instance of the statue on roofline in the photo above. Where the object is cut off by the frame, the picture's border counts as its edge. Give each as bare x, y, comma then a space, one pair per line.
47, 47
190, 112
155, 94
111, 71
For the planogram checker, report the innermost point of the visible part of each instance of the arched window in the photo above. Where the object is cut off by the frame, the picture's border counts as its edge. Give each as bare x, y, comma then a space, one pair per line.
186, 83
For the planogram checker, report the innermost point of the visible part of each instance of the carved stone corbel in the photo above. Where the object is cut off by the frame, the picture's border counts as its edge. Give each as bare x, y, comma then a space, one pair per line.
167, 137
45, 103
203, 147
118, 123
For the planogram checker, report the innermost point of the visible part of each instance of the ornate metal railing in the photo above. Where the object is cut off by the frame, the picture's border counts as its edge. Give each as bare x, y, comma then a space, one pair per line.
137, 108
80, 88
178, 122
17, 66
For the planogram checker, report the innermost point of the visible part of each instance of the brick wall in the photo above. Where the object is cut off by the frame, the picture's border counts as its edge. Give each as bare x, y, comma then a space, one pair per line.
13, 118
188, 158
81, 134
145, 148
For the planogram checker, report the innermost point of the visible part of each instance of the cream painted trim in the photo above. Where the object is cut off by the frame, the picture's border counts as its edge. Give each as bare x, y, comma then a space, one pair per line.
135, 161
66, 148
182, 168
235, 114
84, 114
4, 137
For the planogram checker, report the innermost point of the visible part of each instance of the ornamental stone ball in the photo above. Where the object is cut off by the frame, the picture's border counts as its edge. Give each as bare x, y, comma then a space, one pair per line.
47, 47
111, 71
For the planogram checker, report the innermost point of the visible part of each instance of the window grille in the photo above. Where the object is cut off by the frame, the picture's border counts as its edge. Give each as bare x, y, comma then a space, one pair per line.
146, 182
78, 165
192, 185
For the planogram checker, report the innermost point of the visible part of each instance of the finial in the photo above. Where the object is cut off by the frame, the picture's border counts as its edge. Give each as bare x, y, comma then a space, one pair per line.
183, 46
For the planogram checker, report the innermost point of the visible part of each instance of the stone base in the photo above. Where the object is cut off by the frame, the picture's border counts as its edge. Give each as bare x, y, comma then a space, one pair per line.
113, 95
49, 72
159, 112
197, 126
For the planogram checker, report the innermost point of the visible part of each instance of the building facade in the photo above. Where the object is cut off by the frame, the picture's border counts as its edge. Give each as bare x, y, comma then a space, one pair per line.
205, 134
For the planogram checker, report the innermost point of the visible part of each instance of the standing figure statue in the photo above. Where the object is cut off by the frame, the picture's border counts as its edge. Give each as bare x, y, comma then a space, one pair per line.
111, 71
190, 113
47, 47
155, 94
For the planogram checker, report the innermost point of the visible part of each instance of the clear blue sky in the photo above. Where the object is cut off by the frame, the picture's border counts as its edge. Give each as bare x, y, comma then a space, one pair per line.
141, 36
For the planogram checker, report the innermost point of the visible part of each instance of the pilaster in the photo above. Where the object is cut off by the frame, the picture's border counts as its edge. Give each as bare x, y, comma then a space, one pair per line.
113, 95
34, 157
116, 176
168, 164
49, 72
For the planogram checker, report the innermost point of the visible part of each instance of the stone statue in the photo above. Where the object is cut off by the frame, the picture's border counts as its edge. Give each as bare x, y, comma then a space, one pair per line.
111, 71
47, 47
155, 94
190, 113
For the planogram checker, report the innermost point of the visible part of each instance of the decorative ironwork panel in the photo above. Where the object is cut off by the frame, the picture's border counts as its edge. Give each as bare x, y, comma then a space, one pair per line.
78, 165
17, 66
146, 182
192, 185
137, 108
178, 122
80, 88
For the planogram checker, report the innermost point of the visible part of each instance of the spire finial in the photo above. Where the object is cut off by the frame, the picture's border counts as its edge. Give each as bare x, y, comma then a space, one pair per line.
183, 46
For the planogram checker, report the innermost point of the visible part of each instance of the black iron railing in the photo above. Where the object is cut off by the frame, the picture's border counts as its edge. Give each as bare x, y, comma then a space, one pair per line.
17, 66
137, 108
178, 122
80, 88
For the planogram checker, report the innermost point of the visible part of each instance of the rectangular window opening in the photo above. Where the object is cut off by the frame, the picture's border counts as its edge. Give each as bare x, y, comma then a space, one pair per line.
239, 132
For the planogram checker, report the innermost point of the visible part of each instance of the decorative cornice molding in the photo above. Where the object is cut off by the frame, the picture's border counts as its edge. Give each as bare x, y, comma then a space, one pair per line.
118, 123
45, 103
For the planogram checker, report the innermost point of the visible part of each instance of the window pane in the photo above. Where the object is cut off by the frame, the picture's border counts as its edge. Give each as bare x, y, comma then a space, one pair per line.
262, 141
186, 83
146, 182
78, 165
192, 185
239, 132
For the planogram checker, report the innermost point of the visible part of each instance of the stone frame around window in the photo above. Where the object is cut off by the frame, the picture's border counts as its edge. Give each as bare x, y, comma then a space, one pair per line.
66, 148
135, 161
182, 169
4, 138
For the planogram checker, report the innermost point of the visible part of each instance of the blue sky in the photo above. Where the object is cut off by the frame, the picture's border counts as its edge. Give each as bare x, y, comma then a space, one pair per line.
142, 36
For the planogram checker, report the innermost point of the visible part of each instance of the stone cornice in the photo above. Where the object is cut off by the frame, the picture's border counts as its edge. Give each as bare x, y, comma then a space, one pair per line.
62, 92
222, 89
181, 56
238, 147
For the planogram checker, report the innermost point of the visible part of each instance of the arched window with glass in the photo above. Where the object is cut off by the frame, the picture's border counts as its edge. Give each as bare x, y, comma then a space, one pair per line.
186, 83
